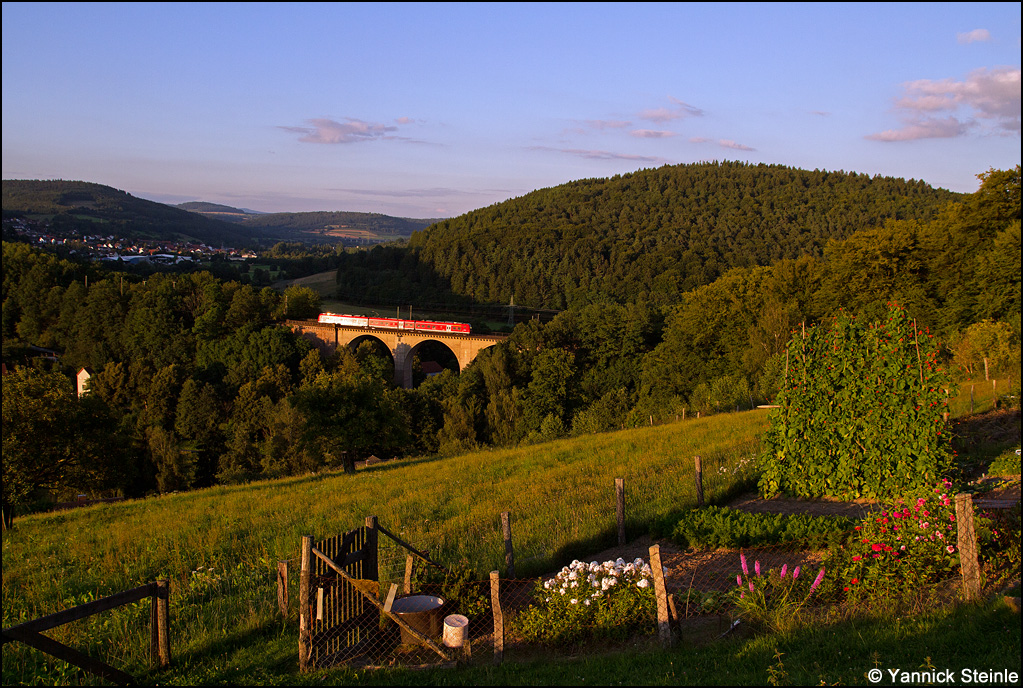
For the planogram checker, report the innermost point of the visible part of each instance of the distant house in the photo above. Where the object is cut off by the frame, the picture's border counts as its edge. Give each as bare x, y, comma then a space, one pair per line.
83, 381
431, 368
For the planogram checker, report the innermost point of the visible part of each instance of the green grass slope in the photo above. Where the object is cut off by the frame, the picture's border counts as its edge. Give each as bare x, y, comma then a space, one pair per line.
219, 547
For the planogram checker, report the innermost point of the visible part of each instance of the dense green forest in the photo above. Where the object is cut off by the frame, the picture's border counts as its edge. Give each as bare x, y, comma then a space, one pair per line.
97, 209
196, 381
647, 236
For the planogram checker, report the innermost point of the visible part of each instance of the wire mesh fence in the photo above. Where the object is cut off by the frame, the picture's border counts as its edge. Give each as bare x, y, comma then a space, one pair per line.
413, 609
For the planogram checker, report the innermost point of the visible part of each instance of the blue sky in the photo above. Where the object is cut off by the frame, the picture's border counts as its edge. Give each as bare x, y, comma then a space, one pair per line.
432, 110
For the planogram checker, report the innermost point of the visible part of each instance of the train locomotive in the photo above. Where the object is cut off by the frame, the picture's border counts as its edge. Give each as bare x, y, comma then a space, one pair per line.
393, 323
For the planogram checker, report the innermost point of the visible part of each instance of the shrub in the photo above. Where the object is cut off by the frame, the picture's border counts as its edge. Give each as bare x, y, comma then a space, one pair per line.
713, 527
585, 601
861, 412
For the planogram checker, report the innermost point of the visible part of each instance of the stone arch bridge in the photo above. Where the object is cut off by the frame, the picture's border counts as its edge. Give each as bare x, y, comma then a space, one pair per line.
401, 343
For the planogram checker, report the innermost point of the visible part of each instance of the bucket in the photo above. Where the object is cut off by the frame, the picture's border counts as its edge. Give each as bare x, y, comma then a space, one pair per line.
421, 612
456, 628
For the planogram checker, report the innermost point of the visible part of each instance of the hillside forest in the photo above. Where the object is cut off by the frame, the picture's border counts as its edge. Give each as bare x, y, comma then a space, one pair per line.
678, 289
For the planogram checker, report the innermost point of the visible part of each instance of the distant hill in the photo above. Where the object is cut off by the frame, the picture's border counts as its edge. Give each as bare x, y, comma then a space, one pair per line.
99, 209
217, 211
334, 226
653, 234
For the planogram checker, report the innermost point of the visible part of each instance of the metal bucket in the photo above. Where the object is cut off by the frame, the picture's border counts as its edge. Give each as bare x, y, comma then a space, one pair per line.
421, 612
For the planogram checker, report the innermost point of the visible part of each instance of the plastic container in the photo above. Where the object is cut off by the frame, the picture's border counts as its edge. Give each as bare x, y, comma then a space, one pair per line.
456, 629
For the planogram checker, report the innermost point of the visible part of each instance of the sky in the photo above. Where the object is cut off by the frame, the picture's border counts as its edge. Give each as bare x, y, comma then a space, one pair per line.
433, 110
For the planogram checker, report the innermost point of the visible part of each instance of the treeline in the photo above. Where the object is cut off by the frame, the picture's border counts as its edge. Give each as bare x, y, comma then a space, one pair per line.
647, 236
200, 384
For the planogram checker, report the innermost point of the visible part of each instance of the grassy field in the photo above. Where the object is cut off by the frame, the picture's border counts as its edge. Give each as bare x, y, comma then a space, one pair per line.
219, 548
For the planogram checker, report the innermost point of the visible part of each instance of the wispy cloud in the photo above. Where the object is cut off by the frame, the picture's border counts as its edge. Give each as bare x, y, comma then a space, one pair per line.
651, 134
603, 124
974, 36
350, 131
724, 143
599, 154
678, 110
986, 98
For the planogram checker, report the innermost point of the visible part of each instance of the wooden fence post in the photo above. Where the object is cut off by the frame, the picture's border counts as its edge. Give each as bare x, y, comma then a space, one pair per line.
699, 480
663, 617
410, 562
163, 622
967, 542
509, 554
305, 605
495, 603
283, 603
620, 508
370, 565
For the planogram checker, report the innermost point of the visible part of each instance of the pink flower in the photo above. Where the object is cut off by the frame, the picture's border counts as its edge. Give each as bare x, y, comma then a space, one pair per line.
738, 580
742, 560
756, 567
784, 569
817, 580
795, 573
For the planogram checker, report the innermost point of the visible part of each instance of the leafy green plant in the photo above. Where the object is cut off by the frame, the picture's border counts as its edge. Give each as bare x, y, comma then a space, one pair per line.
861, 412
713, 527
458, 585
591, 600
774, 600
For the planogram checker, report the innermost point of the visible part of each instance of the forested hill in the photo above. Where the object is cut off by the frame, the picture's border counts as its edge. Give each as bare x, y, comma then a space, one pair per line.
654, 234
99, 209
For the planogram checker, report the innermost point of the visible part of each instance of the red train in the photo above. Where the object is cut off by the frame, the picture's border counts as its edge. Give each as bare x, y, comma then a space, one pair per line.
393, 323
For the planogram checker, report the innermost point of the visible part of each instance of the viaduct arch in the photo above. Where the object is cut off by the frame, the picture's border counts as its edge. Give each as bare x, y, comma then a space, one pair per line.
401, 343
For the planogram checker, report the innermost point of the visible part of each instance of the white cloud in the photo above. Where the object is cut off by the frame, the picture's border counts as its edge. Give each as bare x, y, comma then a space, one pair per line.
925, 128
670, 114
724, 143
350, 131
985, 99
974, 36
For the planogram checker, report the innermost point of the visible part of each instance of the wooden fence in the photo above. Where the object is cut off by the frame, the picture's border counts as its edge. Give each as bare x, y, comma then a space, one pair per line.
158, 592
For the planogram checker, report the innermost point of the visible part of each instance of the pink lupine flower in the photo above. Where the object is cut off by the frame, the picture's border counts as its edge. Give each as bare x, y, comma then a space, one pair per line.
817, 580
756, 567
795, 573
784, 569
742, 560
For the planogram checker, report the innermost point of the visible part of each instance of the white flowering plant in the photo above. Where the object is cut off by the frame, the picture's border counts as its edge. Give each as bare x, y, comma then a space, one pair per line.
613, 599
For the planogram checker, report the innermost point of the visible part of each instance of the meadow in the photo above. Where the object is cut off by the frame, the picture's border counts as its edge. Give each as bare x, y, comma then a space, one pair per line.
219, 547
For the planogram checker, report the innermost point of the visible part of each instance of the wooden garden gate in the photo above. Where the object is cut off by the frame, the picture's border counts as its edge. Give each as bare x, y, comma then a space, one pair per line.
337, 623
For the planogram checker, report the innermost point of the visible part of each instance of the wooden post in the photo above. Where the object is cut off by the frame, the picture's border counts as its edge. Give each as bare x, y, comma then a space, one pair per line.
410, 562
971, 398
370, 566
282, 587
968, 563
305, 605
620, 508
163, 622
495, 603
509, 554
663, 618
994, 393
699, 480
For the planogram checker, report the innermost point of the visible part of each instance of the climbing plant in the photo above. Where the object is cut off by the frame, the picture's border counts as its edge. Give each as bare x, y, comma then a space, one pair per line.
861, 411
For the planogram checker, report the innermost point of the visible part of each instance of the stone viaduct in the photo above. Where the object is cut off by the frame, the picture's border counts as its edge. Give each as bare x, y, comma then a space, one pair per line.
401, 343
